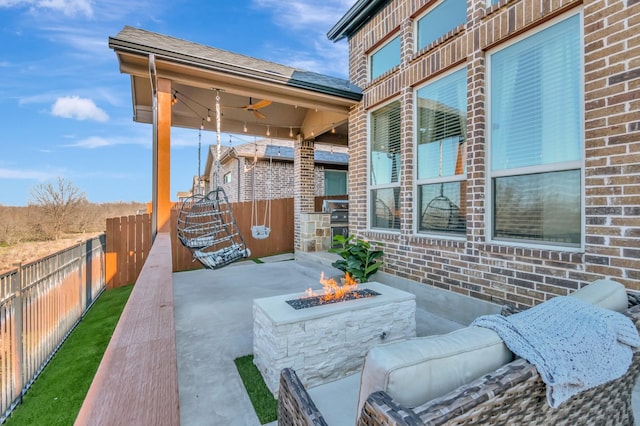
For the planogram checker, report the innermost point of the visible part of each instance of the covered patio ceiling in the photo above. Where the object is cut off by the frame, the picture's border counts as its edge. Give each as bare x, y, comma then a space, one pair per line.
311, 105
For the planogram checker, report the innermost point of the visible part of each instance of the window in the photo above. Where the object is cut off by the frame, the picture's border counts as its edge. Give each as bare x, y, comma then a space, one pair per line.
385, 58
227, 177
385, 167
441, 154
440, 20
335, 182
536, 137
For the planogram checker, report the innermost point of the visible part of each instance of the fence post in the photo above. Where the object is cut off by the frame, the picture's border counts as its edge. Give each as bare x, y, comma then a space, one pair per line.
16, 355
82, 267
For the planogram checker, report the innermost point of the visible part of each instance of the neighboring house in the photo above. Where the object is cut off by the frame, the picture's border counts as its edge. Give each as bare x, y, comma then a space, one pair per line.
265, 170
500, 140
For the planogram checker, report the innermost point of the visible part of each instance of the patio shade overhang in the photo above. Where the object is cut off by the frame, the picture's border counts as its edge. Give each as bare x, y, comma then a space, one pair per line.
308, 104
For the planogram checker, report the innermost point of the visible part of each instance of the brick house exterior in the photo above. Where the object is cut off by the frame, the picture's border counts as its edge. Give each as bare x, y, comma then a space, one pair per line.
477, 263
272, 175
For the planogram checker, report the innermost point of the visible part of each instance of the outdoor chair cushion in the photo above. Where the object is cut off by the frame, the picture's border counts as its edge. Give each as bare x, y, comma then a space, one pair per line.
604, 293
417, 370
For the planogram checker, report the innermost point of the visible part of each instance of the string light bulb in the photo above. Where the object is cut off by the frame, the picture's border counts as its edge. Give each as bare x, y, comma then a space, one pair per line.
290, 132
333, 128
209, 114
174, 100
268, 131
244, 128
202, 125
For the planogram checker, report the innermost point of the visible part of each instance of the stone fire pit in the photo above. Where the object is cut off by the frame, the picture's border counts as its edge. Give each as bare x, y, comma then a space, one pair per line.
327, 342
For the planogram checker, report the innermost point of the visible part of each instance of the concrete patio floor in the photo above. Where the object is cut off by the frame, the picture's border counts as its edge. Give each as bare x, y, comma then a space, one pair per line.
214, 326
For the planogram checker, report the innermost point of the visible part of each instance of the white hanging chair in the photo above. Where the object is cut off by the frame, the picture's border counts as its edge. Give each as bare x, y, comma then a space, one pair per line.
261, 231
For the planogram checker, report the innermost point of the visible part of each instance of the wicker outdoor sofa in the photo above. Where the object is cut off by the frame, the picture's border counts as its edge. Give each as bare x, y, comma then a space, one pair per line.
511, 394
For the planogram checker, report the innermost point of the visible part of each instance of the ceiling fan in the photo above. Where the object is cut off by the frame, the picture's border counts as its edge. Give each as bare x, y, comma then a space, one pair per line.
255, 107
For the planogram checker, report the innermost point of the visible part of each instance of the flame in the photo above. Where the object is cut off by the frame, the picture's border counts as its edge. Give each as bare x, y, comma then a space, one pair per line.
331, 290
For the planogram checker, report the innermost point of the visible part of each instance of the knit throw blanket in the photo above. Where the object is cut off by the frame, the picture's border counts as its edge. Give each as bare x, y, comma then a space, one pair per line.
574, 345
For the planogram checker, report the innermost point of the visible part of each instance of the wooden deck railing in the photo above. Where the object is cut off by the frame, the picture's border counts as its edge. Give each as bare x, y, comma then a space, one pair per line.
137, 380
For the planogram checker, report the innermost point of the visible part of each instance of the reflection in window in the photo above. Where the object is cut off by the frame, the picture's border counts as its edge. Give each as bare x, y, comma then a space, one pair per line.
439, 211
442, 123
440, 20
543, 207
536, 150
385, 208
385, 167
385, 58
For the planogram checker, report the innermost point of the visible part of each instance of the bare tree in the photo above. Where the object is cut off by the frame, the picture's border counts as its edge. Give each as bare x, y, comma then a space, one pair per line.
59, 201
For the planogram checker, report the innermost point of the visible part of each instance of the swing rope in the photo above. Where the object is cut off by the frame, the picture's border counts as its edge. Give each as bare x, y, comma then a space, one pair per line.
219, 144
261, 232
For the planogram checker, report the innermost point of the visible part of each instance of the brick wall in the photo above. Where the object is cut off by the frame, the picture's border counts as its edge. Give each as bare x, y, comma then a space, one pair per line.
471, 266
272, 181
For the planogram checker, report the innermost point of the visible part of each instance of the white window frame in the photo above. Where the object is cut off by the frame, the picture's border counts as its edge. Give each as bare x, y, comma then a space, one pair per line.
376, 50
546, 168
370, 186
443, 179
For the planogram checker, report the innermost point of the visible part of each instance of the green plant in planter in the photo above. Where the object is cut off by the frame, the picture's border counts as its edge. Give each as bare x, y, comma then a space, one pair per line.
358, 258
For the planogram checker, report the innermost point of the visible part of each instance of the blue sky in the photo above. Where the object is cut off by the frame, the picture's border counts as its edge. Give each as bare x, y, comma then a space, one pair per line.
66, 110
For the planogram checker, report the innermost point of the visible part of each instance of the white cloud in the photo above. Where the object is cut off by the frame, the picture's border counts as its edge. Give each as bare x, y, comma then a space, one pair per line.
38, 175
306, 14
67, 7
79, 109
93, 142
310, 20
81, 40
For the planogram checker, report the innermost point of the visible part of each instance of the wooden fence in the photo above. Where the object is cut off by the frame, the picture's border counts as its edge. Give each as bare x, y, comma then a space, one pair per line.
129, 240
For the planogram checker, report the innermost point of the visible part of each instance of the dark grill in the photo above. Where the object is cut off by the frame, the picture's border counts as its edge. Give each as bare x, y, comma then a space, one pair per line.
339, 210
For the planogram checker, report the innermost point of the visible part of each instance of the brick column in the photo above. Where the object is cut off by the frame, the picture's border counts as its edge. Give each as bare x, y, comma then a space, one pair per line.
303, 183
476, 149
612, 136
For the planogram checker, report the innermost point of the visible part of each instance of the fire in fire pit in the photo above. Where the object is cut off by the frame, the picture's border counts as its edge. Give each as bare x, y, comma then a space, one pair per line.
332, 292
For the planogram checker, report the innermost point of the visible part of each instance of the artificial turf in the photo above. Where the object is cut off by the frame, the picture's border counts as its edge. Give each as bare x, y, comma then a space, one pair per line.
264, 404
56, 396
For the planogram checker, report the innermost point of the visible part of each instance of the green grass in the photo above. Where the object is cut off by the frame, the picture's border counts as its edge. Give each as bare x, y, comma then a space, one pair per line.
57, 395
265, 405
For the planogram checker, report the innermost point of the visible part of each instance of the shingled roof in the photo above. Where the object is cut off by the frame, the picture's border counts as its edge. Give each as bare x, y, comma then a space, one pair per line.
136, 40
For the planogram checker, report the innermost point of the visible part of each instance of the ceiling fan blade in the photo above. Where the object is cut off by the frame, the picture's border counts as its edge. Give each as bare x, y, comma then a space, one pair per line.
263, 103
259, 114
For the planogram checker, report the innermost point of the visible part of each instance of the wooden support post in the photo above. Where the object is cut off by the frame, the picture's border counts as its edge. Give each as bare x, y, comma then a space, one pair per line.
163, 163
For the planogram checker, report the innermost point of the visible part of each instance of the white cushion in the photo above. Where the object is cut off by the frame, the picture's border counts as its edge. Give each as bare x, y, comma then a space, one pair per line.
604, 293
417, 370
